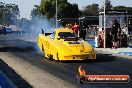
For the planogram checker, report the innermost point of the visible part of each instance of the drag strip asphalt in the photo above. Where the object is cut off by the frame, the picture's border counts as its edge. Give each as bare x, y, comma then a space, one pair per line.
67, 71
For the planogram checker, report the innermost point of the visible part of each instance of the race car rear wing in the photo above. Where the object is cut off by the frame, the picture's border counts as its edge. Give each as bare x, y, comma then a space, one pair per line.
46, 34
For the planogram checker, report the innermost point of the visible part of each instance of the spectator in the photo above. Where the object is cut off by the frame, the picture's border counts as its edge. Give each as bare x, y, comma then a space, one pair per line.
83, 32
75, 28
124, 40
4, 29
68, 26
115, 32
130, 27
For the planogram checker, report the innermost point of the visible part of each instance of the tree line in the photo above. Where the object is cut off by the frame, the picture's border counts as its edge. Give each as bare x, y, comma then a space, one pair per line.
67, 10
9, 13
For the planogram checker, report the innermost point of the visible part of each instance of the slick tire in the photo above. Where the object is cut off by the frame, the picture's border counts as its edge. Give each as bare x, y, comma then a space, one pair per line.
51, 57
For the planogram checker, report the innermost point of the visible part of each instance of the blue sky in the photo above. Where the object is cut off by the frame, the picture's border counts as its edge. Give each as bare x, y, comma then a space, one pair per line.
27, 5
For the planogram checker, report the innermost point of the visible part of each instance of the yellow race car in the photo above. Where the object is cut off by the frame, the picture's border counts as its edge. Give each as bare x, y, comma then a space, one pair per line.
63, 44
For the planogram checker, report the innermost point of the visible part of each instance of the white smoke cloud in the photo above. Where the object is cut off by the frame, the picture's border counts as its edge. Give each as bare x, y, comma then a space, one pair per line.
36, 26
39, 23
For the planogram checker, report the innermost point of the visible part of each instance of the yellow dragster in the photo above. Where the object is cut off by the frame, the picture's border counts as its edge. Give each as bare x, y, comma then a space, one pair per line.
63, 44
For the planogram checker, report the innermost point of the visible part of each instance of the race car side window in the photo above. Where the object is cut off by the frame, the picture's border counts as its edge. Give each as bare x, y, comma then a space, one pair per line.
53, 35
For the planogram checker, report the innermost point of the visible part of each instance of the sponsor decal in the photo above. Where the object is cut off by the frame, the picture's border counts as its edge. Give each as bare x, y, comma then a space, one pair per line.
83, 78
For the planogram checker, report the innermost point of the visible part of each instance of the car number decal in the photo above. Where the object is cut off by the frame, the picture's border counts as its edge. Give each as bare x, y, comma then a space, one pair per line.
47, 44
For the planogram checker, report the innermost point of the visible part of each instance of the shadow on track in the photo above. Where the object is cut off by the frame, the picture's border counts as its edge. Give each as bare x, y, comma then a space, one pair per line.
105, 58
16, 45
100, 58
16, 49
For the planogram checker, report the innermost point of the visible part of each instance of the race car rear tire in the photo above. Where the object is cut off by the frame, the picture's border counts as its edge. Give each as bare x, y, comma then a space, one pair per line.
45, 55
50, 57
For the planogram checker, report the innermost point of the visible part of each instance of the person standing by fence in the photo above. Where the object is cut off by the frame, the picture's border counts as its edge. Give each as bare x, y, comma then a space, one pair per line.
83, 32
115, 32
75, 28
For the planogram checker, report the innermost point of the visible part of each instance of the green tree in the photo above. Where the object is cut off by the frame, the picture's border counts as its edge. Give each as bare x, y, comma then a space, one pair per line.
65, 9
34, 12
90, 10
119, 8
108, 6
8, 13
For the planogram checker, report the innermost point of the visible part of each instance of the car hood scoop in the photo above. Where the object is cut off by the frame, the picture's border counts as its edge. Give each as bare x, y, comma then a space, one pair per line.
75, 46
74, 42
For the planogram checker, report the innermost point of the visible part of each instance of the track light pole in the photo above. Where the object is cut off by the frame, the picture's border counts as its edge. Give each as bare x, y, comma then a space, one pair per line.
56, 14
104, 26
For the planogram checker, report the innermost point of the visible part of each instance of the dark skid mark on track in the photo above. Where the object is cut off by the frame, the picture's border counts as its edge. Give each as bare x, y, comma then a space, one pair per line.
100, 58
16, 45
105, 58
16, 49
75, 61
67, 71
